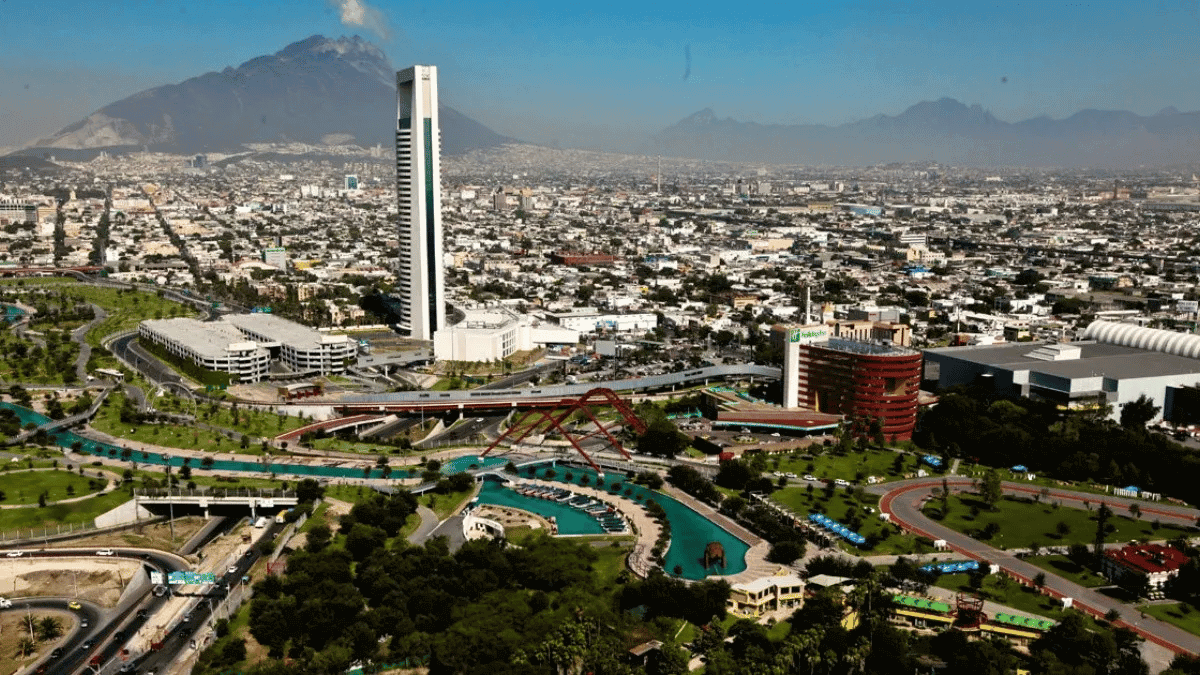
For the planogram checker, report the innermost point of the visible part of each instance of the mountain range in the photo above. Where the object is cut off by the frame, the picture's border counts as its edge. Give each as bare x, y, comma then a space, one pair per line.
323, 91
317, 91
945, 131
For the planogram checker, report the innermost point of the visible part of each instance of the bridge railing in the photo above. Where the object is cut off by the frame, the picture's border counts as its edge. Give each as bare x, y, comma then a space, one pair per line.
213, 492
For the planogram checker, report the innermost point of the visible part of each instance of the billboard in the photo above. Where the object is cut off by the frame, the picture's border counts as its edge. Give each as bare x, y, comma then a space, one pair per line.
1190, 306
187, 578
351, 182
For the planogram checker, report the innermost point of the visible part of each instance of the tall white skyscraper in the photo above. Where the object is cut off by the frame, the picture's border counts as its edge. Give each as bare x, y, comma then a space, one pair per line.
419, 194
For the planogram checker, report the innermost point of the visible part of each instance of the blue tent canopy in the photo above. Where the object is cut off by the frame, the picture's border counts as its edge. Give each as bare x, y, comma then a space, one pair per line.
1021, 468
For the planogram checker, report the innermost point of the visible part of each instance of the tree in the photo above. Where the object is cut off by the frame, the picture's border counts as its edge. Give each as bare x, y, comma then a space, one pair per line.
1039, 580
49, 628
1136, 414
785, 552
1102, 516
991, 489
308, 490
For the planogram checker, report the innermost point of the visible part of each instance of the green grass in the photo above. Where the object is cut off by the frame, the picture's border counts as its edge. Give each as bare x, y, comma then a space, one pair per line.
445, 505
336, 444
854, 466
23, 487
610, 562
1181, 615
1023, 524
61, 514
1005, 591
842, 508
108, 420
1068, 569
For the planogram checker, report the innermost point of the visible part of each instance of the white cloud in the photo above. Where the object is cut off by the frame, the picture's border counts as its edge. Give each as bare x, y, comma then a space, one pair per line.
359, 13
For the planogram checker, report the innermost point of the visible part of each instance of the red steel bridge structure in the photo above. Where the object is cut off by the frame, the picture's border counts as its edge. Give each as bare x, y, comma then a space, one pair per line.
599, 396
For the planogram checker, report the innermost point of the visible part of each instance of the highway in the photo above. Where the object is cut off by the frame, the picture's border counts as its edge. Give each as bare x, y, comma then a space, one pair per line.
102, 623
902, 500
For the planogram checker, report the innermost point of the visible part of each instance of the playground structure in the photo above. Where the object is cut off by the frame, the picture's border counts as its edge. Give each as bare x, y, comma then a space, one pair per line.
969, 611
518, 431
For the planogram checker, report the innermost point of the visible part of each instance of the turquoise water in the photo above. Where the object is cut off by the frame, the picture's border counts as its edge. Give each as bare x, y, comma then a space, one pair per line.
690, 531
466, 462
13, 313
66, 439
570, 521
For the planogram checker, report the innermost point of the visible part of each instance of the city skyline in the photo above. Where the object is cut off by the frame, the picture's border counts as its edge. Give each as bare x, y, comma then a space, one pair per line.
418, 194
545, 76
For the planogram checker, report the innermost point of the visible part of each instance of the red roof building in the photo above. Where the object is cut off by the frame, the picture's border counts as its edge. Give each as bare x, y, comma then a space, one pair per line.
1155, 562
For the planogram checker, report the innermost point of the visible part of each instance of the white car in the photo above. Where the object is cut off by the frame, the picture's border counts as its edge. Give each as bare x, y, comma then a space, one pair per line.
16, 554
809, 476
778, 474
106, 551
5, 603
233, 569
790, 474
841, 481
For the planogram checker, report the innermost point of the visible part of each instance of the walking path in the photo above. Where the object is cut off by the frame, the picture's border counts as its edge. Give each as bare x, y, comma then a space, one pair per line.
79, 336
429, 521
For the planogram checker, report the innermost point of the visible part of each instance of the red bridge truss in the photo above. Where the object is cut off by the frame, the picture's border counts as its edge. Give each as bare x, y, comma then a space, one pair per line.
595, 397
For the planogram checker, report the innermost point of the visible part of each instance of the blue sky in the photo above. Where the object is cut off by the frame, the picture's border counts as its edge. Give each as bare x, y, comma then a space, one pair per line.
593, 74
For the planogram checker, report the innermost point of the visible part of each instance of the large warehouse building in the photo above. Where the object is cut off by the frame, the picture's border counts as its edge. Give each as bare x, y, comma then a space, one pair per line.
1116, 361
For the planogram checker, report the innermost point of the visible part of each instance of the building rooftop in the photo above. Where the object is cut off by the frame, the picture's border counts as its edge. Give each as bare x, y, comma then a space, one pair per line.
209, 339
1094, 359
283, 331
1148, 558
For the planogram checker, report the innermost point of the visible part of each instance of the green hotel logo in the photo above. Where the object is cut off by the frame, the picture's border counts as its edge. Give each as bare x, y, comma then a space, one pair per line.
799, 334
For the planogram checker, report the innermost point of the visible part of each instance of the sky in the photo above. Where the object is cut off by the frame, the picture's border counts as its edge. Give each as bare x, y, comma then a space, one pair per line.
605, 74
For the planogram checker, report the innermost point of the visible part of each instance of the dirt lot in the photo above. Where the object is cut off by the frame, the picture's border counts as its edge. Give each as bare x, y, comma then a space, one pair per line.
100, 580
14, 627
156, 536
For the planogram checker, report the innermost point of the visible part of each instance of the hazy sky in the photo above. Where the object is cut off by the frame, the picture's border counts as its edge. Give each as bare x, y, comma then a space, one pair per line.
593, 73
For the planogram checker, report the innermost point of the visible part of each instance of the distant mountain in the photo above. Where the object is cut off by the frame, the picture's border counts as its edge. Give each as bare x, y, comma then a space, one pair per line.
945, 131
317, 90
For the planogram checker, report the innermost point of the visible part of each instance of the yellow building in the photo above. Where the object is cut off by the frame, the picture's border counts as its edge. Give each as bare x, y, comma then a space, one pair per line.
765, 594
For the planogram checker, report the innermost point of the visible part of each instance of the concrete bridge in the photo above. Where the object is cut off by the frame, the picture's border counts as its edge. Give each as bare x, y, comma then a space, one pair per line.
205, 499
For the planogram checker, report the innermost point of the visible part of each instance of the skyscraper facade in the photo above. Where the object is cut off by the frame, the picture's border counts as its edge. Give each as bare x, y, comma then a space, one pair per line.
421, 288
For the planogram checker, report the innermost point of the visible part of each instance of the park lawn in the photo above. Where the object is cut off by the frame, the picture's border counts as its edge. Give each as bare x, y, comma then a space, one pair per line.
447, 504
1181, 615
45, 370
108, 420
1003, 590
253, 423
841, 507
1068, 569
610, 563
1023, 524
61, 514
318, 518
350, 493
23, 487
854, 466
338, 445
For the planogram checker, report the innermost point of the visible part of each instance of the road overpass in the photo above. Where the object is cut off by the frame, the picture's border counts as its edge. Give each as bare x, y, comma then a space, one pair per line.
206, 499
544, 397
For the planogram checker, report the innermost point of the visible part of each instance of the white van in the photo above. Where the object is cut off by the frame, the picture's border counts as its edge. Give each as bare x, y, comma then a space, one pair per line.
261, 522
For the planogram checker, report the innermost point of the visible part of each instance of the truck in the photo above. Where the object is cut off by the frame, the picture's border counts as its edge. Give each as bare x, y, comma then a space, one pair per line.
261, 522
280, 517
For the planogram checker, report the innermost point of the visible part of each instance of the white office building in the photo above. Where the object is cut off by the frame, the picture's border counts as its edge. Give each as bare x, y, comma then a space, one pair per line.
419, 195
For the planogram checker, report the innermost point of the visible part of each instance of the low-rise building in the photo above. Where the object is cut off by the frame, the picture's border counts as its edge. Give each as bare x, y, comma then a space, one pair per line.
766, 594
1155, 562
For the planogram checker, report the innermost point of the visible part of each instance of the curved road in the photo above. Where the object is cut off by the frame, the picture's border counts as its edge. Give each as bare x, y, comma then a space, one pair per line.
102, 622
903, 500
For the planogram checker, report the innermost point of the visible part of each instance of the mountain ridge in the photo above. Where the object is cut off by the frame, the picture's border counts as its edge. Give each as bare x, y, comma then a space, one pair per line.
314, 91
948, 131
